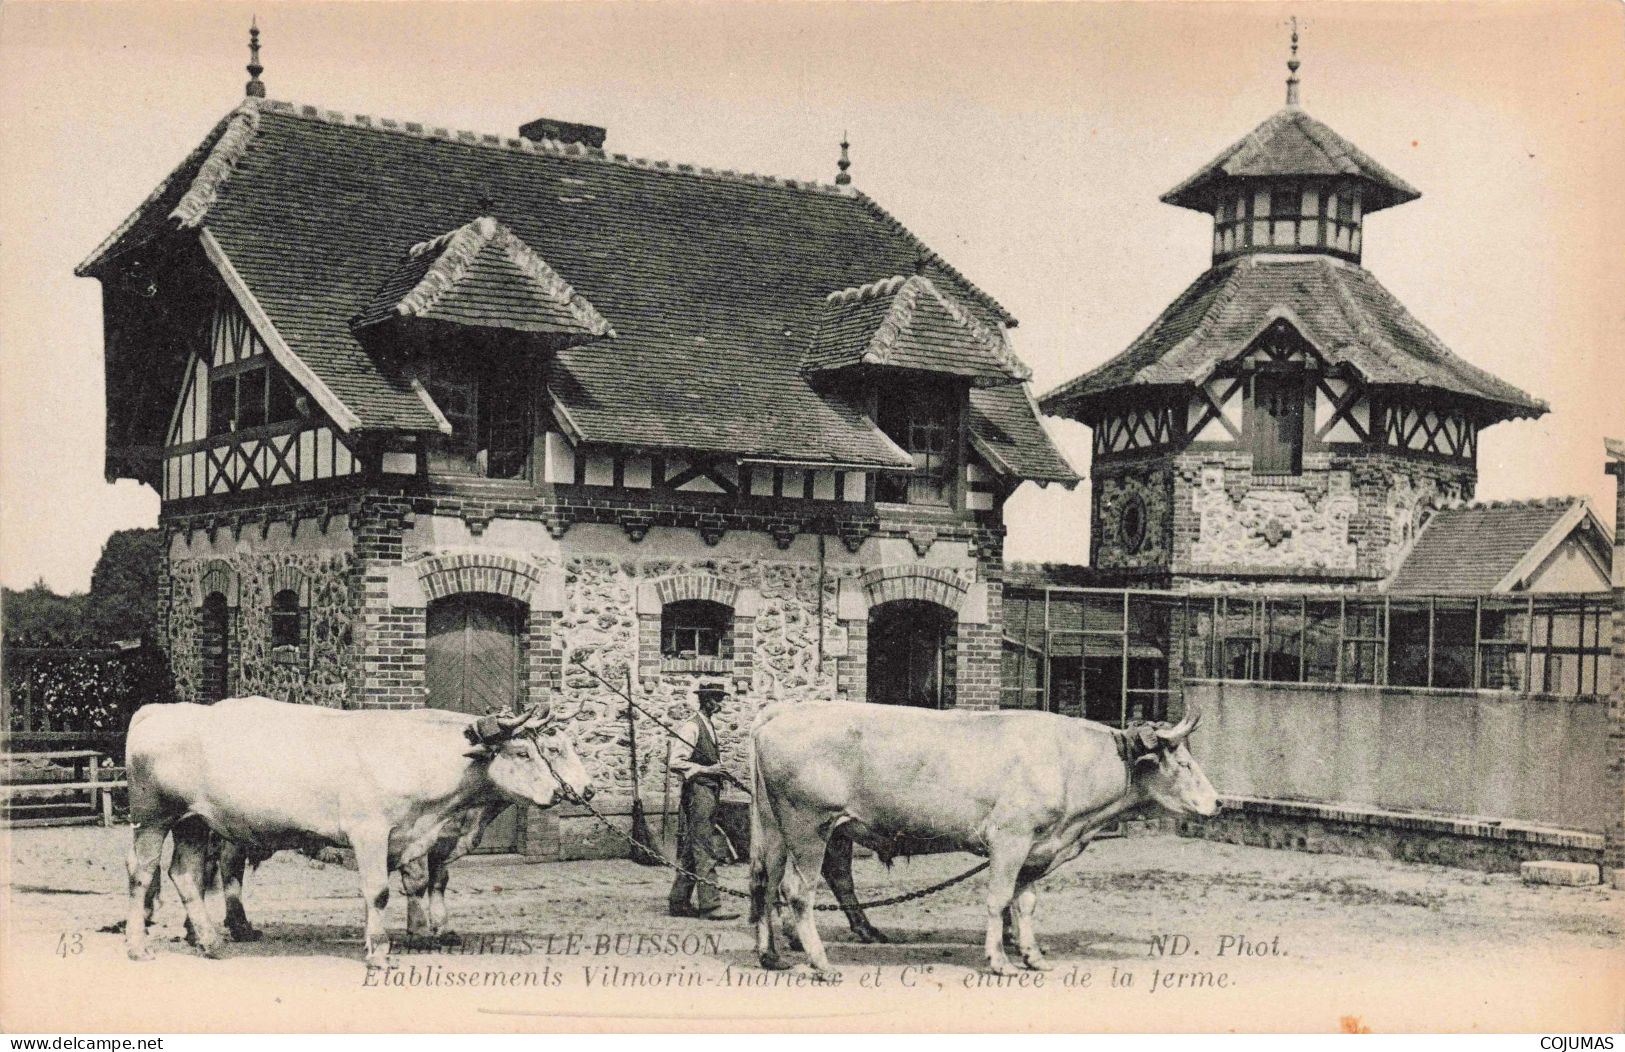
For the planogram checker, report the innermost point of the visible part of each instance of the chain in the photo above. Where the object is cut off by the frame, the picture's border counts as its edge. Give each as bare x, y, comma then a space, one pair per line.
941, 885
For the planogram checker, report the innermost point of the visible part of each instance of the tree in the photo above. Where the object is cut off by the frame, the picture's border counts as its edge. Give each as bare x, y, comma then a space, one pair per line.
123, 601
38, 616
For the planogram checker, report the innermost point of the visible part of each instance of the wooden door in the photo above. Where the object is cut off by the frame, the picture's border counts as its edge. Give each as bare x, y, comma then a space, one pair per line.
1277, 424
472, 665
907, 650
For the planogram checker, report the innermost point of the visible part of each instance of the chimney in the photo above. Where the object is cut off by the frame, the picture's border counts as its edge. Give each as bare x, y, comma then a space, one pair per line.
564, 131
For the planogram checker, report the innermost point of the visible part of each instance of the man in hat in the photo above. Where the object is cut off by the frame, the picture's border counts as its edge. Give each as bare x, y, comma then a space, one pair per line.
702, 776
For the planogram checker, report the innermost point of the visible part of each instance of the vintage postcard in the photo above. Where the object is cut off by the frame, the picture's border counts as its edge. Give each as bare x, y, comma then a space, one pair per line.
812, 517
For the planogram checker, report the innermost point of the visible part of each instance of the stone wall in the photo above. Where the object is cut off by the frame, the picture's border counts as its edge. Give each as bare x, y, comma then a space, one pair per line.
600, 627
1151, 487
1346, 517
321, 673
1539, 760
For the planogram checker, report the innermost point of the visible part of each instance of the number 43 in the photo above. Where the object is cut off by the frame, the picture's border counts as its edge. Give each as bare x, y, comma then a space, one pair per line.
70, 945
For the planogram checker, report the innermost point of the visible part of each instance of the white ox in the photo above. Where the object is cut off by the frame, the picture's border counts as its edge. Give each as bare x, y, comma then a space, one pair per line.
265, 775
1026, 789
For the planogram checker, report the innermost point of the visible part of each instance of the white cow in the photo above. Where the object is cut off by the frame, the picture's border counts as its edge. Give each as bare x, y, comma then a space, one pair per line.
266, 775
1026, 789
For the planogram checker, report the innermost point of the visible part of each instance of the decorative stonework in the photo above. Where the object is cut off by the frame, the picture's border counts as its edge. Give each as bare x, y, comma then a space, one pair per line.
1410, 499
1113, 496
1275, 527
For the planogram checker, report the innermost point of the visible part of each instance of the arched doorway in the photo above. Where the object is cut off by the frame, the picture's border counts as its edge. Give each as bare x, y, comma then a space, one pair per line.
910, 653
214, 642
472, 664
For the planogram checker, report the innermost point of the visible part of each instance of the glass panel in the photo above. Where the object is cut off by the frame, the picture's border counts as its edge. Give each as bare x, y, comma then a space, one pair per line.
1453, 645
1408, 645
1320, 642
284, 400
251, 398
1283, 627
222, 405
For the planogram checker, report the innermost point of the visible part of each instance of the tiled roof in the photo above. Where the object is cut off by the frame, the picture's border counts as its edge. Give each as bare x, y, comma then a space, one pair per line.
908, 323
1006, 430
1471, 549
714, 281
1292, 143
482, 274
1337, 306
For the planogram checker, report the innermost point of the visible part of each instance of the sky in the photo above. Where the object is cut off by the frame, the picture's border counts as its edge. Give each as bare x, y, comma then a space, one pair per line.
1027, 143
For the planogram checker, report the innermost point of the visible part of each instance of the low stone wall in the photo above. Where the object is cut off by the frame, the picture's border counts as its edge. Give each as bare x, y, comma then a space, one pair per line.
1478, 778
1495, 847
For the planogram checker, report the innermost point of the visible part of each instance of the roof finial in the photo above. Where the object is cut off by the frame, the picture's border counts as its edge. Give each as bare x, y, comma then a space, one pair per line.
844, 178
1292, 67
256, 87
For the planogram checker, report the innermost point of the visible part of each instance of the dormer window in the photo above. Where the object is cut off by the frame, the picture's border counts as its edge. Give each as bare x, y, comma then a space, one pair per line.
489, 413
922, 417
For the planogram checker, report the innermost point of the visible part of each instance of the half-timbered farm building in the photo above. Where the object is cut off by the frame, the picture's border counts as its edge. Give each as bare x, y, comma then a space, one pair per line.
437, 415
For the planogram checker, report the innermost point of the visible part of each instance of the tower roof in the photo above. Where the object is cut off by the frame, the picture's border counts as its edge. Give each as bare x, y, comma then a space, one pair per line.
1292, 143
1338, 307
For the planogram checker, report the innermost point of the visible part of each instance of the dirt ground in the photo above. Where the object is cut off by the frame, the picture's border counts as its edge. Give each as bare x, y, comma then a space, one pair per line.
1270, 941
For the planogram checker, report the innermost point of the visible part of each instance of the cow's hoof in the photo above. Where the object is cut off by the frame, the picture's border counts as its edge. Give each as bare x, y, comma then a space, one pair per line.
140, 953
450, 938
871, 935
1037, 962
247, 933
215, 950
773, 963
1002, 967
792, 943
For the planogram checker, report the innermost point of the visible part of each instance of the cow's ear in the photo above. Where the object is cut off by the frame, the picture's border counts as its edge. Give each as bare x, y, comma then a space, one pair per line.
480, 753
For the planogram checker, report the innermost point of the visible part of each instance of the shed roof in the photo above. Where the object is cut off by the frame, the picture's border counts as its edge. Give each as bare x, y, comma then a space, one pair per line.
1477, 549
714, 282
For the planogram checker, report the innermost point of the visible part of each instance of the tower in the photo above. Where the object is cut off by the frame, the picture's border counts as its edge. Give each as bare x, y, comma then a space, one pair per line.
1285, 419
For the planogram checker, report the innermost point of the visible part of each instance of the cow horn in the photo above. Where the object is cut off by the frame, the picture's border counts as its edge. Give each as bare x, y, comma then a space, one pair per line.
1182, 730
513, 722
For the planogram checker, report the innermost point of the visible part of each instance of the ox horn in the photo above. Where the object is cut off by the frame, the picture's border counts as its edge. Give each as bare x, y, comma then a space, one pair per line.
514, 721
1182, 730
